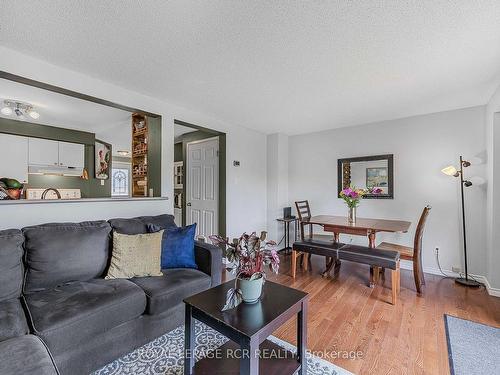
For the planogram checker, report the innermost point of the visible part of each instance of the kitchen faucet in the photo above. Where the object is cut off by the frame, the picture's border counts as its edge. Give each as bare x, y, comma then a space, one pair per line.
51, 189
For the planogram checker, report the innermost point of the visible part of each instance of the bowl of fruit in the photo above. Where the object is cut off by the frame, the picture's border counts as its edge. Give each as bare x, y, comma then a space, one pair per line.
10, 188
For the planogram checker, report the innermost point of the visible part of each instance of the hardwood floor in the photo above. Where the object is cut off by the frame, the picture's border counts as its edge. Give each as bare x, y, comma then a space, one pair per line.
345, 315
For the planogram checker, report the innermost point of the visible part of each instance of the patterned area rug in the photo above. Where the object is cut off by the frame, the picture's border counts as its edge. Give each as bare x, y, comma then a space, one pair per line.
164, 356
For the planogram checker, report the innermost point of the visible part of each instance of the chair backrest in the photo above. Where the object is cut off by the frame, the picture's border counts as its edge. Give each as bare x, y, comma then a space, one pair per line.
417, 244
304, 213
303, 210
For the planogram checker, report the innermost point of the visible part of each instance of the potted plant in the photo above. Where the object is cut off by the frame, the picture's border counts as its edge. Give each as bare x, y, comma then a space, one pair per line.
352, 197
247, 258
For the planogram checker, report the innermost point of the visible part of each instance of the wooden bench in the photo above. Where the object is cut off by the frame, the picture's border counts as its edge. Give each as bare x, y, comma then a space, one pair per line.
376, 258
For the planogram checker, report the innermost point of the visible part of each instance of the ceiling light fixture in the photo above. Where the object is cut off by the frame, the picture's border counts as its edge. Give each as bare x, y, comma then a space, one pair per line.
20, 109
123, 152
7, 111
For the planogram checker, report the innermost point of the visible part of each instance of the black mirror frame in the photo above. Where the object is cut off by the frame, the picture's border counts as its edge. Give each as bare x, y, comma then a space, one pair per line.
390, 171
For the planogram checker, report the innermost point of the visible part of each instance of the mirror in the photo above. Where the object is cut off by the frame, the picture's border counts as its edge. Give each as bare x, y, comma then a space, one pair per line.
367, 172
59, 144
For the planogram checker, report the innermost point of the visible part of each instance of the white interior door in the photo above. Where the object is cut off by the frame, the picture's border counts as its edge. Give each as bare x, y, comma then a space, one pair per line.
202, 186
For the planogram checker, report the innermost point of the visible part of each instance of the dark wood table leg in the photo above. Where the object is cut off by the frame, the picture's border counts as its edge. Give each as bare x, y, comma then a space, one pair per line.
249, 362
329, 266
302, 338
332, 261
371, 240
189, 342
374, 271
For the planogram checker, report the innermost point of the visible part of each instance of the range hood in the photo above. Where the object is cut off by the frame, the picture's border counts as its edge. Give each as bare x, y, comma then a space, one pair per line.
55, 170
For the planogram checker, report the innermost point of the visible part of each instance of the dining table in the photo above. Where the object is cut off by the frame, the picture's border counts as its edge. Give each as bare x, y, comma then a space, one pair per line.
368, 227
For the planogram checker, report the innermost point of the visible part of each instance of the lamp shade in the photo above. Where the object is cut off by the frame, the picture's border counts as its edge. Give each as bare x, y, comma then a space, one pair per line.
450, 171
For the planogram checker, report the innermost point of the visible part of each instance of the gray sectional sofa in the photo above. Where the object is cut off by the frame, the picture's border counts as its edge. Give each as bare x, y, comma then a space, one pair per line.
68, 307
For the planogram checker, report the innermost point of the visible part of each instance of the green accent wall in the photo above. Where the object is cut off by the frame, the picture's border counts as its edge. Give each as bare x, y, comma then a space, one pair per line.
90, 188
178, 152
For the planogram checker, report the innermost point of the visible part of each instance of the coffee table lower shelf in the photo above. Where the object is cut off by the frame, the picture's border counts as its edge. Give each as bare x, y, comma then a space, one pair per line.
276, 361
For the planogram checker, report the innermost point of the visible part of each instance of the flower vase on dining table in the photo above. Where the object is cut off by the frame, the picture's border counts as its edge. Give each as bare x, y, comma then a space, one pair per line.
352, 197
351, 216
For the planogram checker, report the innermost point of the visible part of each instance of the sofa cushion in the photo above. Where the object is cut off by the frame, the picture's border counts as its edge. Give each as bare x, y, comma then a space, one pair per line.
139, 225
12, 319
168, 291
162, 221
11, 268
65, 252
69, 314
25, 355
128, 226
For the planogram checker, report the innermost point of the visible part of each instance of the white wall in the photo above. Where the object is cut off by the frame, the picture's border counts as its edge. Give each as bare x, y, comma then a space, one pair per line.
277, 185
493, 201
246, 185
422, 146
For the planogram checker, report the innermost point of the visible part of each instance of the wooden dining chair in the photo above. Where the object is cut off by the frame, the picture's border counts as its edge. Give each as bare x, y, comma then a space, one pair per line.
304, 214
414, 253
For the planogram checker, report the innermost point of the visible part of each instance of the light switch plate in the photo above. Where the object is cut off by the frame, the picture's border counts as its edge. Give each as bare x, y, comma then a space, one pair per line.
102, 182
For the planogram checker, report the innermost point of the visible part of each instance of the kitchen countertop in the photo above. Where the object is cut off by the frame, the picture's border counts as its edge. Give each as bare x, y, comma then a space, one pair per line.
82, 200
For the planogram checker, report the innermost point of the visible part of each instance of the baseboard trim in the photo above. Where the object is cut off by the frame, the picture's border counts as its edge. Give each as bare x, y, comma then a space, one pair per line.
495, 292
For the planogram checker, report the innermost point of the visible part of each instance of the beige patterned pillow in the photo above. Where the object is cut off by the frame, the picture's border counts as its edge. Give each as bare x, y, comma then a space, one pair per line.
135, 255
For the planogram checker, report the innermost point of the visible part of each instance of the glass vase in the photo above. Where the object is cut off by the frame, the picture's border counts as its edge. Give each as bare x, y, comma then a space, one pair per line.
351, 216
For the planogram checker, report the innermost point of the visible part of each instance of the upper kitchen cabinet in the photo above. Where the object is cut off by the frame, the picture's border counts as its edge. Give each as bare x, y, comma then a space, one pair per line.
14, 157
43, 152
71, 155
62, 154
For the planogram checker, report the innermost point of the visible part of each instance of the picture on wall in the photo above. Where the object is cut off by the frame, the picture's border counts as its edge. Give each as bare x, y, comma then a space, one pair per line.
376, 177
102, 160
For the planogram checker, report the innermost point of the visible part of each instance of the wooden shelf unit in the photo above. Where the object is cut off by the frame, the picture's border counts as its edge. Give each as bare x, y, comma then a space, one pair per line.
139, 155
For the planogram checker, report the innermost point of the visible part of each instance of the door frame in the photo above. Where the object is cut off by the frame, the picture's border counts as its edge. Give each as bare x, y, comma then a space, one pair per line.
222, 173
186, 168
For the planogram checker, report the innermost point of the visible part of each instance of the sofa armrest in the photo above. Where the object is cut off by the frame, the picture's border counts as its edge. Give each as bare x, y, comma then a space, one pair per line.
209, 260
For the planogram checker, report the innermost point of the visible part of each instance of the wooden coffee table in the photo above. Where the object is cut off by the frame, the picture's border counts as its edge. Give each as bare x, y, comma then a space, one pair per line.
247, 326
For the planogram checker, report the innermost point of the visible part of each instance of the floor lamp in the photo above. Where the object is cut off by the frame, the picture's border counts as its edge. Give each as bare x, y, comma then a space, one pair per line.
452, 171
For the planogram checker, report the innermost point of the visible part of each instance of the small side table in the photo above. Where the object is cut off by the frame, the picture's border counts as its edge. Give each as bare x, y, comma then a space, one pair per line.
248, 326
286, 222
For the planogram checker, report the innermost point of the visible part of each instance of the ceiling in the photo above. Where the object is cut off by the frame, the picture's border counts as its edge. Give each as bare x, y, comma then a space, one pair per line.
110, 124
279, 66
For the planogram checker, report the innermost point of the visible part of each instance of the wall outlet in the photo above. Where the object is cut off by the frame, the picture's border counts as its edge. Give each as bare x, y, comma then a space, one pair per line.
456, 269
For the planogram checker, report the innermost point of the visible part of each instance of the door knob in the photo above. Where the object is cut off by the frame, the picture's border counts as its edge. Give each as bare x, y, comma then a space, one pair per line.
188, 204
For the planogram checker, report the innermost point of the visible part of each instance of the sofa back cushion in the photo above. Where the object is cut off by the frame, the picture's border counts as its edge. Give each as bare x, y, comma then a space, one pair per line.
11, 263
139, 225
62, 252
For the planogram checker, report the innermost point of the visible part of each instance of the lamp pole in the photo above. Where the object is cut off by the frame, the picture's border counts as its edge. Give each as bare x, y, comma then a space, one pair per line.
465, 280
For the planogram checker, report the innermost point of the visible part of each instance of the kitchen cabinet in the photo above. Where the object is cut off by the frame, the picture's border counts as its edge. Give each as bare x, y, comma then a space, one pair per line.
63, 154
43, 152
71, 155
14, 157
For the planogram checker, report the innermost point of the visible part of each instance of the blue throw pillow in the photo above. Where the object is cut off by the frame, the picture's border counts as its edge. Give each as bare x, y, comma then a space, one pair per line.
177, 249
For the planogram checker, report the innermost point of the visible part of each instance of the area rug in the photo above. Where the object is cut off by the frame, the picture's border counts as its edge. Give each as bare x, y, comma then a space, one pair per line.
164, 356
472, 347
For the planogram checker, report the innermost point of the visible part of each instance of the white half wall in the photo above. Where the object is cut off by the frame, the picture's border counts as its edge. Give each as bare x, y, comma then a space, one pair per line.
246, 185
422, 146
